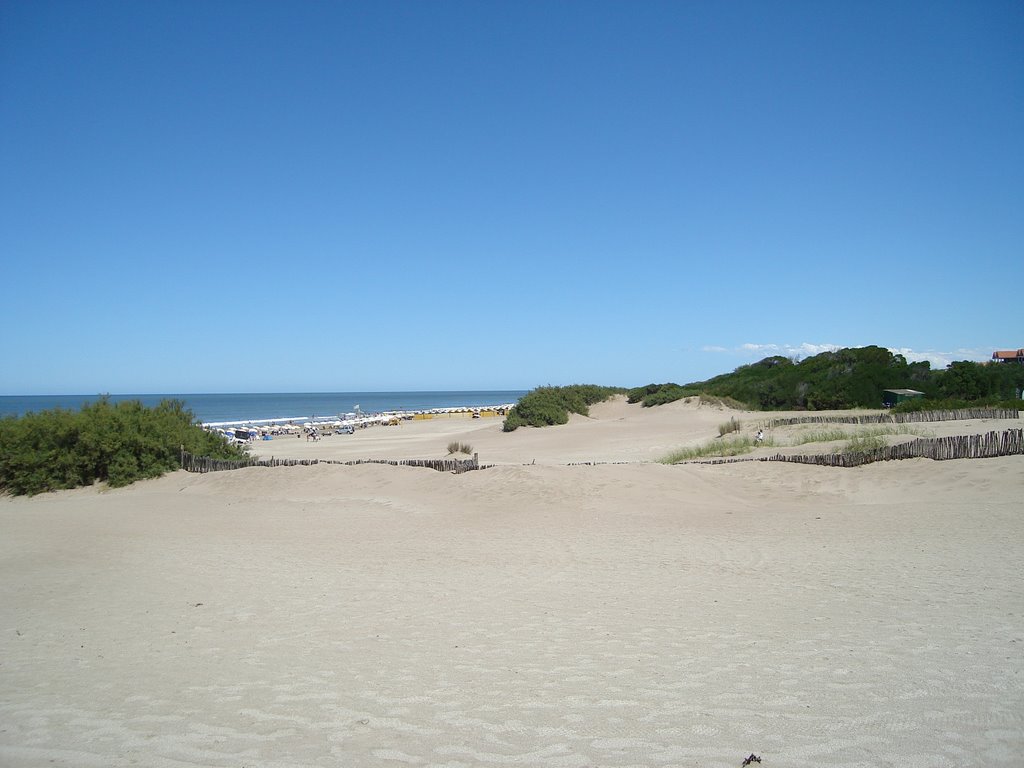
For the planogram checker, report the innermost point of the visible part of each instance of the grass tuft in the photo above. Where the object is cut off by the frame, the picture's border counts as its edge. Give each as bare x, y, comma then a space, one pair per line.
735, 446
820, 436
456, 447
864, 443
864, 435
728, 427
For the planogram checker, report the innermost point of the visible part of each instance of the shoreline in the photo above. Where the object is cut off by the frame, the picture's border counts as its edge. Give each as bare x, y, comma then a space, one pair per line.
286, 426
247, 406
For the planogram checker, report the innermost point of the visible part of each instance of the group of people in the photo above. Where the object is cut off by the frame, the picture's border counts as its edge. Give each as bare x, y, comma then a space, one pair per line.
314, 433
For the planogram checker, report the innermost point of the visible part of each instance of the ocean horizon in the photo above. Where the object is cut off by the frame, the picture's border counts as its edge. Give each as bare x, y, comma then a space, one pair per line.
259, 406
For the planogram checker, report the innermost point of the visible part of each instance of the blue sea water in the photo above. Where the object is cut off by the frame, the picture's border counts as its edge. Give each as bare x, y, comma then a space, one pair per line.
258, 406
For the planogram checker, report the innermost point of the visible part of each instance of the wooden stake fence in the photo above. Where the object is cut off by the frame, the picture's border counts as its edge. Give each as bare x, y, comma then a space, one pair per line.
986, 446
899, 418
205, 464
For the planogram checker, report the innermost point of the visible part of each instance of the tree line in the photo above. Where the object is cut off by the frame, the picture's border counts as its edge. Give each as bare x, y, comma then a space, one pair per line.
850, 378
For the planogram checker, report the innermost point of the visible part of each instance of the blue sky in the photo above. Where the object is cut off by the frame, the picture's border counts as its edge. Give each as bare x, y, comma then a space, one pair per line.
328, 196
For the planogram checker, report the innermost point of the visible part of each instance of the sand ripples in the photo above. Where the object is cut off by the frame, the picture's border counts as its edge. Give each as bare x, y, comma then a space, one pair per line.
545, 617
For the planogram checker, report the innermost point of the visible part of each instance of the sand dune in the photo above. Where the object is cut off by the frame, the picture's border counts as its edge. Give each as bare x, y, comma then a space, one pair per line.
614, 431
538, 614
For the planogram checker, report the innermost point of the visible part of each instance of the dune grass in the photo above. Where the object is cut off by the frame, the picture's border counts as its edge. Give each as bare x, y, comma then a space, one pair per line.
456, 447
863, 435
819, 436
856, 441
864, 443
727, 427
734, 446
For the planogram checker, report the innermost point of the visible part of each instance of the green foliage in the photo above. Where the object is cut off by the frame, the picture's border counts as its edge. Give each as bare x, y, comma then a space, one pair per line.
637, 394
964, 381
850, 378
116, 443
973, 382
928, 404
659, 394
545, 406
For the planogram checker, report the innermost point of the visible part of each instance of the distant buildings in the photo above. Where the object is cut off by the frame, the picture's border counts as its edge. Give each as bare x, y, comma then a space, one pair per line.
1009, 356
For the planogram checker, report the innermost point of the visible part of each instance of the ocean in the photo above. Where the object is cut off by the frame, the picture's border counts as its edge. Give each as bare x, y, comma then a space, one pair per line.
282, 405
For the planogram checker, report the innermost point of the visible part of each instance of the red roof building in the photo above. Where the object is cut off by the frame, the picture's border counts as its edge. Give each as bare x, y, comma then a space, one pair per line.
1009, 355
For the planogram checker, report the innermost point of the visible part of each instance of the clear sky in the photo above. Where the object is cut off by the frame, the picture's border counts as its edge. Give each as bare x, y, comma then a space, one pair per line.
335, 196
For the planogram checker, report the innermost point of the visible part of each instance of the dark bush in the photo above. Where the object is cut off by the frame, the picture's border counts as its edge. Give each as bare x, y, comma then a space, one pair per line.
637, 394
114, 443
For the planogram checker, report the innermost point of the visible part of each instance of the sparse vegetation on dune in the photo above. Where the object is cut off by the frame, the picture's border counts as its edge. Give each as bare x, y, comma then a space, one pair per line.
545, 406
717, 448
864, 443
456, 447
725, 428
832, 435
854, 439
721, 402
804, 437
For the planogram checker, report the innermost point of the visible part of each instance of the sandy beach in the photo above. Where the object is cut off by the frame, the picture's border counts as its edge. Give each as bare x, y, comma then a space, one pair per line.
537, 613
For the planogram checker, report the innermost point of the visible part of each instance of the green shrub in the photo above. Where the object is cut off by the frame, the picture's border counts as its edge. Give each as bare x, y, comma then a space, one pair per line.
667, 394
659, 394
637, 394
114, 443
546, 406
